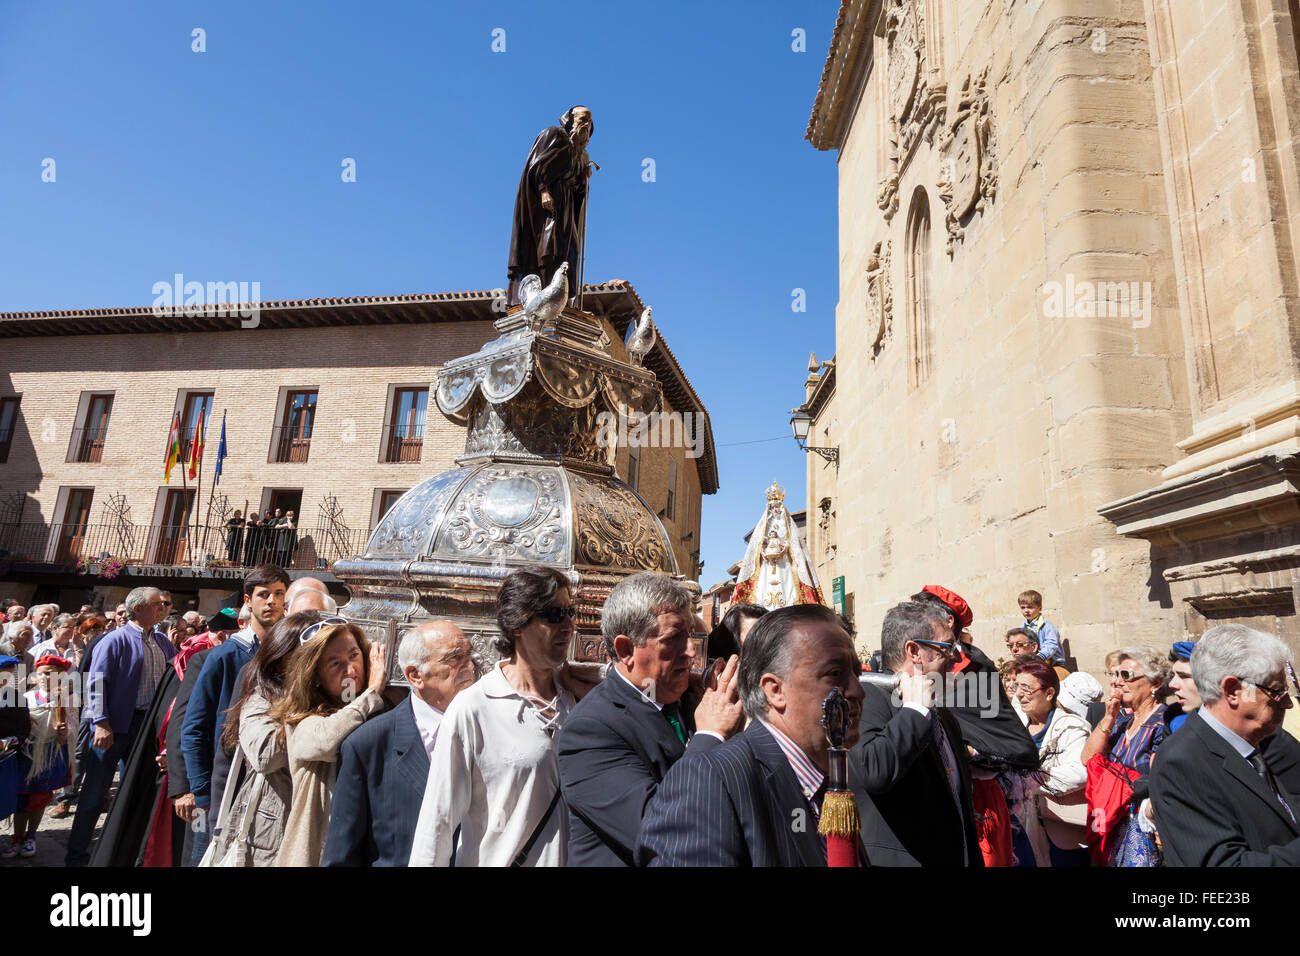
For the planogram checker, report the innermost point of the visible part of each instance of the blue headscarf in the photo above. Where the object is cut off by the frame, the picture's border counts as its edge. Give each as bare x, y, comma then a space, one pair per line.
1183, 650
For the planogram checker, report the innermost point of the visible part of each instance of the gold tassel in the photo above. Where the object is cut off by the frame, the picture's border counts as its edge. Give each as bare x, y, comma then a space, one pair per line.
839, 815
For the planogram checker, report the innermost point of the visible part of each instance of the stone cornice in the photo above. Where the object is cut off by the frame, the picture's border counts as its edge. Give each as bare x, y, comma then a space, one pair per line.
823, 391
842, 76
1245, 495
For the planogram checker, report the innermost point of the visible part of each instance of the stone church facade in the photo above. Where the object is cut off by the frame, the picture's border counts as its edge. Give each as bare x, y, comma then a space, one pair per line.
1068, 329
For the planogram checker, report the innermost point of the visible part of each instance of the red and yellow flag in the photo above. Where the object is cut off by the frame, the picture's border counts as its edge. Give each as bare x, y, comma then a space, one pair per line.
173, 449
196, 450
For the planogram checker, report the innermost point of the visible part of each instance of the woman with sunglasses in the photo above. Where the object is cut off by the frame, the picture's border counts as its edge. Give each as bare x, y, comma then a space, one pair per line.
332, 686
493, 772
250, 824
1125, 740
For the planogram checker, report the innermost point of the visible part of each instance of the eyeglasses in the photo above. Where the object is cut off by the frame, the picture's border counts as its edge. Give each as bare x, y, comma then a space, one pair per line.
950, 649
554, 615
310, 632
1275, 695
1026, 691
1017, 645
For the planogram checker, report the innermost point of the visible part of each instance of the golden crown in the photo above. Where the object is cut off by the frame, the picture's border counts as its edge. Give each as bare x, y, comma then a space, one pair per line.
776, 493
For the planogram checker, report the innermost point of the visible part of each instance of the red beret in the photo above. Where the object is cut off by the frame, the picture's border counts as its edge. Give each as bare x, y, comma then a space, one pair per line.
53, 660
960, 609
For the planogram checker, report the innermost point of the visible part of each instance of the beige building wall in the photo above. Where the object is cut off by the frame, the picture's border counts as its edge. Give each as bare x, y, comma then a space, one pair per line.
981, 424
354, 368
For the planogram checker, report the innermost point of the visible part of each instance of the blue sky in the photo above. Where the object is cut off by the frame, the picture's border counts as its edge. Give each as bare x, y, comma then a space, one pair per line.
226, 164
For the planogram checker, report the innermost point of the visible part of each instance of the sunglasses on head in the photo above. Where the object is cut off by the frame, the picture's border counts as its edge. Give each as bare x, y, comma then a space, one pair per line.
310, 632
554, 615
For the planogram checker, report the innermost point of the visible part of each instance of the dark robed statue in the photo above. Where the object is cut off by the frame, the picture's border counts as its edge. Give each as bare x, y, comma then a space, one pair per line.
551, 203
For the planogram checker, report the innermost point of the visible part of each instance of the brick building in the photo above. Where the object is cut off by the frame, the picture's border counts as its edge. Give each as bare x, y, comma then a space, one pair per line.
328, 413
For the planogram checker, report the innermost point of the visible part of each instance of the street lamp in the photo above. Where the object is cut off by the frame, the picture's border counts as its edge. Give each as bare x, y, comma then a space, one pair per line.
800, 423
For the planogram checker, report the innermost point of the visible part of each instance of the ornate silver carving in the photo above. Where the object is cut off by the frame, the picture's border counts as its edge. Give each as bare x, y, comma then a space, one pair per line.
533, 480
508, 513
407, 528
880, 298
967, 178
616, 529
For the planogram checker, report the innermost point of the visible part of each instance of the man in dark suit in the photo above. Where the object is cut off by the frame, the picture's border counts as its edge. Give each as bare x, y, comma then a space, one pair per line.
910, 770
1220, 789
755, 800
622, 738
384, 765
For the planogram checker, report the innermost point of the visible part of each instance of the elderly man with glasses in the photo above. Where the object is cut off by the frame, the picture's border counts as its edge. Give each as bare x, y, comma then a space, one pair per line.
1021, 641
1219, 788
125, 669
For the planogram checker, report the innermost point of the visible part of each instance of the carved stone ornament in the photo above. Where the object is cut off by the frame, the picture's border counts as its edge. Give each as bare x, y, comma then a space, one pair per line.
914, 108
880, 298
967, 177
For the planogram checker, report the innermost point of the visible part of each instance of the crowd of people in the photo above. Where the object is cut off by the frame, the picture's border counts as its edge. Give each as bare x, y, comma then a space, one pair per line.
269, 735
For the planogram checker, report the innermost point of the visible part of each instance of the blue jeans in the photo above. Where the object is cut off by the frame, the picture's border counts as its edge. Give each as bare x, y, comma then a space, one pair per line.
100, 766
201, 839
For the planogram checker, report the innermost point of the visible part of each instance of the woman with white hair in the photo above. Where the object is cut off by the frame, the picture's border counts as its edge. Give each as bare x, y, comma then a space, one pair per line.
18, 638
1119, 752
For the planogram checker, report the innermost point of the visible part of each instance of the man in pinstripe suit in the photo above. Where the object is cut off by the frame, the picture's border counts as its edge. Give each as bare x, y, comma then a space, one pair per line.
754, 800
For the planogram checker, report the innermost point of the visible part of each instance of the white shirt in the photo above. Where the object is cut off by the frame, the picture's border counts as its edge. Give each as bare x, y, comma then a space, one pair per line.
47, 647
644, 696
493, 773
427, 720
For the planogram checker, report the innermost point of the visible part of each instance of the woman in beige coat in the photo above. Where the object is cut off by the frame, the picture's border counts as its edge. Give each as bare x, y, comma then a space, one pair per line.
320, 708
250, 824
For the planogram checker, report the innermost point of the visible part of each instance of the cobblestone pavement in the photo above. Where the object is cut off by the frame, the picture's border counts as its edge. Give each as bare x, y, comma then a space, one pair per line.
51, 840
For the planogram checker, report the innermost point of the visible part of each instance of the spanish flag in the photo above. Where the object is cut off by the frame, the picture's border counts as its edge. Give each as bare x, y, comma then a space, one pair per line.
196, 451
173, 449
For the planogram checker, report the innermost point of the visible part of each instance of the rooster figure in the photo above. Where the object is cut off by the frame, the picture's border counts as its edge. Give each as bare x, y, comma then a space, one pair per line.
641, 338
541, 305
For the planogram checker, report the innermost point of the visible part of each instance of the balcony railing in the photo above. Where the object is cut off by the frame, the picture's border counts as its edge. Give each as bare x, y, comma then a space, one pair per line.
403, 443
88, 444
303, 549
288, 444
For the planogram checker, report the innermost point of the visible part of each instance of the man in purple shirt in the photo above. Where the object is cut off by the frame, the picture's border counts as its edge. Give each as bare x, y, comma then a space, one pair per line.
125, 669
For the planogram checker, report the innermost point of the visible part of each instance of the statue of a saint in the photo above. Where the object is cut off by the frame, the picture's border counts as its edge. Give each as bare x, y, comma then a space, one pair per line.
775, 571
550, 207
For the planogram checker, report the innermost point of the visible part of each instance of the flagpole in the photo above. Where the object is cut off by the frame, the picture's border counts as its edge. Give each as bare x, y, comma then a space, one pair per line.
198, 486
189, 555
